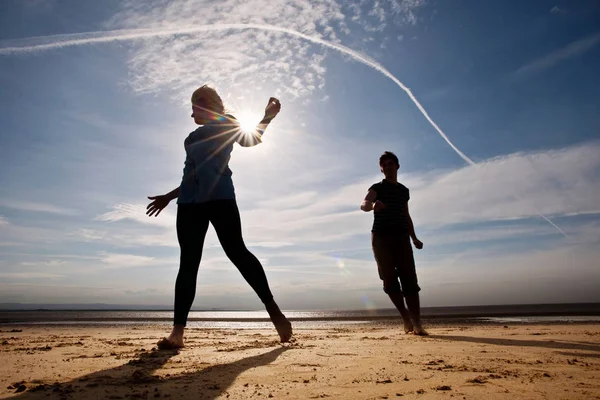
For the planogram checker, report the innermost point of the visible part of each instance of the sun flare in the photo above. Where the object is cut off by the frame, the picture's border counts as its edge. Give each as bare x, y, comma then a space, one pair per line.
248, 121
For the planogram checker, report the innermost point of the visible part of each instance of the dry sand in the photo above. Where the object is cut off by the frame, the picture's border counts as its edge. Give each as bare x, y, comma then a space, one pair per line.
351, 362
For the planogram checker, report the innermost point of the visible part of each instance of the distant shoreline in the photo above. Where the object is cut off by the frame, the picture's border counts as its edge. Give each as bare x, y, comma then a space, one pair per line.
15, 307
466, 314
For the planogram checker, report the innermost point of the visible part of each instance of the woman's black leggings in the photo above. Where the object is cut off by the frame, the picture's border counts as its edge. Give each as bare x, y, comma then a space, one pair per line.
192, 224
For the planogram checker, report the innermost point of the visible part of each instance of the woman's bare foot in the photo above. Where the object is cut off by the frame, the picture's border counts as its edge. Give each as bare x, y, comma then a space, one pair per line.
174, 341
283, 326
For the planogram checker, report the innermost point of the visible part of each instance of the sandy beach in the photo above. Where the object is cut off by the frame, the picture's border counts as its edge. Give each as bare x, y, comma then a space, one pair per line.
362, 361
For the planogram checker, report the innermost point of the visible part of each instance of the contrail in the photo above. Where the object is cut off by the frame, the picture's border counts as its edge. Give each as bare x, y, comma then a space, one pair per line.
60, 41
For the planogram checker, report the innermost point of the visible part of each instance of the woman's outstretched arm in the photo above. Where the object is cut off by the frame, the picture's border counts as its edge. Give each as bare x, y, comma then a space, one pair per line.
253, 138
160, 202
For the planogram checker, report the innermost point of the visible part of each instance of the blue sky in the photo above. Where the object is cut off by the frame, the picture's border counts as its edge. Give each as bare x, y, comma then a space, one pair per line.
95, 110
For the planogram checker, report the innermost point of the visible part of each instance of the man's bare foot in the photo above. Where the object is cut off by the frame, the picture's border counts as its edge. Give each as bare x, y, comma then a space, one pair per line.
408, 326
420, 331
174, 341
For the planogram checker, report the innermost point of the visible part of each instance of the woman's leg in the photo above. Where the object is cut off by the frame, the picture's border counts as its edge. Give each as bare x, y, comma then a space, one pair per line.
192, 224
225, 217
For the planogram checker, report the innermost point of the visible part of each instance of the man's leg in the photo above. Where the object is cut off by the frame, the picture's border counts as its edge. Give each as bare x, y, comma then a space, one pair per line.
398, 300
225, 217
410, 286
383, 253
414, 307
192, 224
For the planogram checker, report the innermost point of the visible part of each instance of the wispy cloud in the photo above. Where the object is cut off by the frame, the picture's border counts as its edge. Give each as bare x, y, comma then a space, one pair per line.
513, 187
517, 186
28, 275
186, 44
117, 260
572, 264
246, 59
28, 234
571, 50
273, 245
47, 264
136, 212
377, 15
165, 65
558, 182
24, 205
3, 220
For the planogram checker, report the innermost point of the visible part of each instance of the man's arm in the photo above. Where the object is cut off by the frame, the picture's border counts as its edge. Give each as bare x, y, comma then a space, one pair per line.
411, 230
369, 201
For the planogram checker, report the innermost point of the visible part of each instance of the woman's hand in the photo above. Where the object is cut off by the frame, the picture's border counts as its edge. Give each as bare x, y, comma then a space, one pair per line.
272, 109
157, 205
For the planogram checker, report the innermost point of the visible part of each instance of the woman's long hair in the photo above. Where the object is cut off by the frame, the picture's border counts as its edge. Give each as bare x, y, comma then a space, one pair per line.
206, 97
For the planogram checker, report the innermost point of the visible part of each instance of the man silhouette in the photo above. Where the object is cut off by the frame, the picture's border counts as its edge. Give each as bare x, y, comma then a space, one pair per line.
390, 237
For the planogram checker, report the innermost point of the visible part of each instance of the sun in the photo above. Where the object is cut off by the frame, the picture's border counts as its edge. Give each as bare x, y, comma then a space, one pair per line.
248, 121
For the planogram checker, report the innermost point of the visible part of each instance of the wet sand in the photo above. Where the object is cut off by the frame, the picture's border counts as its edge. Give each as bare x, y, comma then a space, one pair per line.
366, 361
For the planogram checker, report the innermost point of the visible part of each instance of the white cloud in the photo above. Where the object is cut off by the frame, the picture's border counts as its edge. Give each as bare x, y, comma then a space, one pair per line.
571, 50
274, 245
3, 221
377, 15
483, 233
26, 234
243, 59
28, 275
565, 273
137, 213
36, 207
116, 260
557, 183
239, 59
46, 264
88, 235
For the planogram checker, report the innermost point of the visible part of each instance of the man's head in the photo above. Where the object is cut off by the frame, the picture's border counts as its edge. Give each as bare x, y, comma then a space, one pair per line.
388, 162
206, 105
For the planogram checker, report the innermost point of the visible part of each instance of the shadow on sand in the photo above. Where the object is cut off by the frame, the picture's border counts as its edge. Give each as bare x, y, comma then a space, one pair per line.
549, 344
135, 379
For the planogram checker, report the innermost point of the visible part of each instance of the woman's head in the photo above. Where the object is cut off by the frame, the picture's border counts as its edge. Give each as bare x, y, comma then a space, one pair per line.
206, 105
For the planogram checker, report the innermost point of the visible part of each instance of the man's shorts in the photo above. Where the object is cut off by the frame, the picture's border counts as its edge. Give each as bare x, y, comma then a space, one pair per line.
394, 257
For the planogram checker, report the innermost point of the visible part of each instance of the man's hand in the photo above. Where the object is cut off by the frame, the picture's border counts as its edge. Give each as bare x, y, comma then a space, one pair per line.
378, 206
157, 205
418, 244
272, 109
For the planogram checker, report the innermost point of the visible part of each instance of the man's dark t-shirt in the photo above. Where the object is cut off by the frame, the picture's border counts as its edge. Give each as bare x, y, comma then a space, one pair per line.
393, 218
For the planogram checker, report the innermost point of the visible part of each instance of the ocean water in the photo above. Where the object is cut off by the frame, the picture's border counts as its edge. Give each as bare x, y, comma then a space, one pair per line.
545, 313
543, 319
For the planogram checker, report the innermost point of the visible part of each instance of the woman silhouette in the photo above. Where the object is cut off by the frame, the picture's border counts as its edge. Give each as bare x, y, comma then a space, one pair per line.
206, 194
